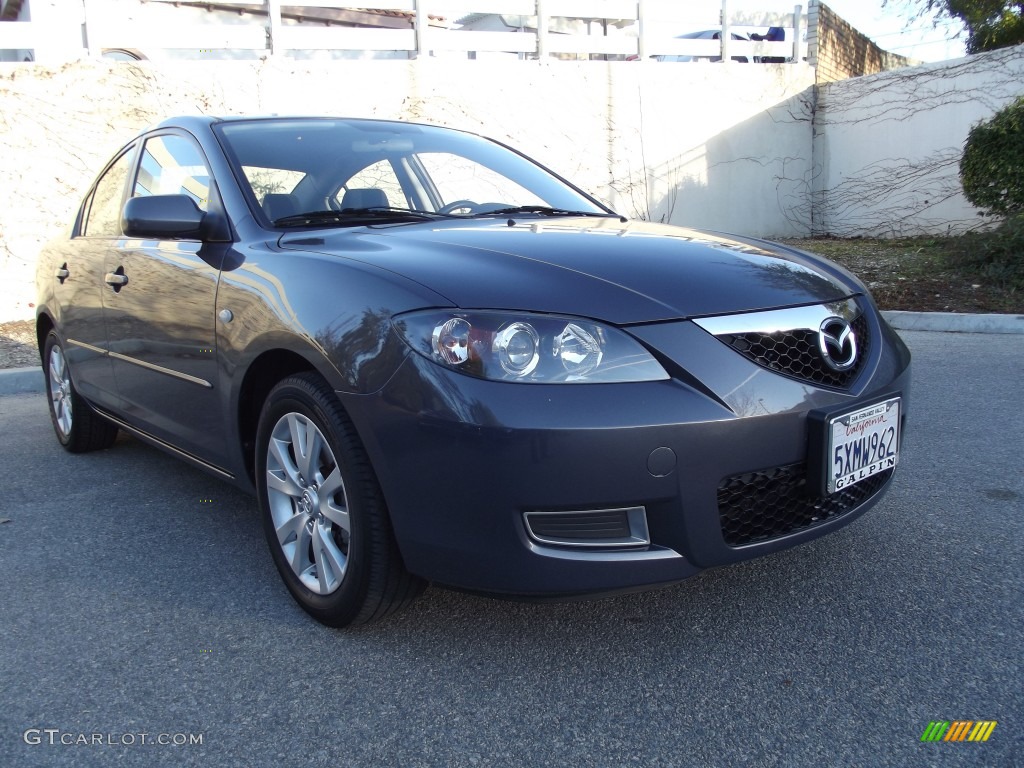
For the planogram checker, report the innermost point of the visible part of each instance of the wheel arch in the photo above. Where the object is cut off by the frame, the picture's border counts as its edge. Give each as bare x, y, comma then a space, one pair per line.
44, 324
262, 375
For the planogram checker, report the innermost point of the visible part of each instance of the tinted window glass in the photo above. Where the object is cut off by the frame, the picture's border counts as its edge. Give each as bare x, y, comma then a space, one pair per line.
398, 159
459, 178
271, 181
377, 176
104, 217
173, 165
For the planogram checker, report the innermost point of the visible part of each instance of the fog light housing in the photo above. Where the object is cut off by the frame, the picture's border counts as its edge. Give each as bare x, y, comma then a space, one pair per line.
624, 528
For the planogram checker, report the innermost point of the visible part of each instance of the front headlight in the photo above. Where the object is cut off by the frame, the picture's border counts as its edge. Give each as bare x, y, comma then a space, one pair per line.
536, 349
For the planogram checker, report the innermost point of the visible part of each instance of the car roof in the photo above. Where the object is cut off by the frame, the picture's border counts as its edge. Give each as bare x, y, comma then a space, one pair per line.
191, 122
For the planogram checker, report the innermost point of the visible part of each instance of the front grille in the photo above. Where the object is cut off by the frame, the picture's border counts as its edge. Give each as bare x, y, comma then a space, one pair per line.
795, 353
759, 506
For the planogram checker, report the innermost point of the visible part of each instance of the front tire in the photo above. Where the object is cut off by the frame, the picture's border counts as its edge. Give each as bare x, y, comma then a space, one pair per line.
323, 512
79, 428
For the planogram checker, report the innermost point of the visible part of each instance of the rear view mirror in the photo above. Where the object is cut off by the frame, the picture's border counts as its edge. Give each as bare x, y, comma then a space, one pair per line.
388, 144
162, 217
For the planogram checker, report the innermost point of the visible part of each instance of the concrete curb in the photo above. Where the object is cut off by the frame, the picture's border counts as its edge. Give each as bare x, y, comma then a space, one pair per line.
17, 381
953, 322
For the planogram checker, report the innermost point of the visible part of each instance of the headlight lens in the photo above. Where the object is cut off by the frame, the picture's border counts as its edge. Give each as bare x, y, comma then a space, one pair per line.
538, 349
450, 341
516, 346
579, 352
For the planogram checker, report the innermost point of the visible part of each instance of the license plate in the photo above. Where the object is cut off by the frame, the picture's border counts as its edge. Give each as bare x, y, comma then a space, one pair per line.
861, 444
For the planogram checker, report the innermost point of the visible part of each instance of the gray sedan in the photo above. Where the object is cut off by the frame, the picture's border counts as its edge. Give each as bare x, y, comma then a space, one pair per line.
433, 360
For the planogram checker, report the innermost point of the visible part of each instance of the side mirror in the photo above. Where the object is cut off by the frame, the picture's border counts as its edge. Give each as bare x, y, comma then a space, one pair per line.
162, 217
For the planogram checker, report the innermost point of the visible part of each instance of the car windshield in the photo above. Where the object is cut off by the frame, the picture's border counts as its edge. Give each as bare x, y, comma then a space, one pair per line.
316, 172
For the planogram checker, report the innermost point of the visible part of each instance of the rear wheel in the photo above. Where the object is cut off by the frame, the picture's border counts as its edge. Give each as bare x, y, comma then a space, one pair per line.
79, 428
323, 511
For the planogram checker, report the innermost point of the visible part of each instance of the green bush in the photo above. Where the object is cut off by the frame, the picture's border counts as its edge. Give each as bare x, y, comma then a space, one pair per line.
992, 166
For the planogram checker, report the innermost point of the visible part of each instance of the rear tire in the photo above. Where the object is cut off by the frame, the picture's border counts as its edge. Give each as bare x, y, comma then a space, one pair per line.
79, 428
323, 512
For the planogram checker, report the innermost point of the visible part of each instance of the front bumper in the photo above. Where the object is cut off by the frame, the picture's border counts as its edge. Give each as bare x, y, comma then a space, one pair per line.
460, 461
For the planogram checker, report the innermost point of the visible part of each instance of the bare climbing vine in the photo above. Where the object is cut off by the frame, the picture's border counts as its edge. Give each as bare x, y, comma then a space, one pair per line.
918, 119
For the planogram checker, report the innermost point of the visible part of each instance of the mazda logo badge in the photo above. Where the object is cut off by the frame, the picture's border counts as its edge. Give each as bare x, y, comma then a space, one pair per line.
838, 344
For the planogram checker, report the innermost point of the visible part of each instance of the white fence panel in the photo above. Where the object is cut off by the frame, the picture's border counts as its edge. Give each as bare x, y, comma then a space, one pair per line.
346, 39
507, 42
591, 44
592, 9
498, 7
674, 47
374, 5
19, 34
204, 36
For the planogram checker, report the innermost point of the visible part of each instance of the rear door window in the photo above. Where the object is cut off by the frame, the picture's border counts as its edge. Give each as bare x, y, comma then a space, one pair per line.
103, 217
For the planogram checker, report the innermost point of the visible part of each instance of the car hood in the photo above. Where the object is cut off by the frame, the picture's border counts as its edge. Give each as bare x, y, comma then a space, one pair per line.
622, 273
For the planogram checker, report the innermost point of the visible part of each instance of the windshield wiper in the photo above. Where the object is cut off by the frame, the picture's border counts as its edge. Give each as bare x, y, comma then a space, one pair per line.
349, 216
544, 210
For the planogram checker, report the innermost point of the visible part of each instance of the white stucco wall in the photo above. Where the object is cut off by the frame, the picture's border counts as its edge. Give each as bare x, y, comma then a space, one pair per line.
888, 146
722, 147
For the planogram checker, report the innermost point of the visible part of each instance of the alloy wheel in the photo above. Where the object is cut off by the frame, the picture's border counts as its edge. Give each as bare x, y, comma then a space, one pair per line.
60, 390
308, 503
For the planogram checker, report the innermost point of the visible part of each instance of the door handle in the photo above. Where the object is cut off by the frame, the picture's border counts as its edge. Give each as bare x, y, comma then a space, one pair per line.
117, 280
62, 273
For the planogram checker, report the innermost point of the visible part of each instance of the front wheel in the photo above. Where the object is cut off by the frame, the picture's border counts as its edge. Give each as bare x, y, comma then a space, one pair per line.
79, 428
323, 512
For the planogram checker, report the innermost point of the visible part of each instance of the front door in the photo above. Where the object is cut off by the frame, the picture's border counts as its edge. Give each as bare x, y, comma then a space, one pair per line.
160, 304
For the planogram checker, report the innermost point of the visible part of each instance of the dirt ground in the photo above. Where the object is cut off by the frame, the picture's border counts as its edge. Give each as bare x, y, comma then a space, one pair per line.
905, 274
912, 274
18, 344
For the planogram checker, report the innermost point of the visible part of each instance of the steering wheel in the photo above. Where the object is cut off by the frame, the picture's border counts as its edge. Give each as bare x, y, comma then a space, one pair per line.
469, 205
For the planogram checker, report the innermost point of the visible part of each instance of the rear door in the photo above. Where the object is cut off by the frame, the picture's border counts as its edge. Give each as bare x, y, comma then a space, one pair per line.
79, 268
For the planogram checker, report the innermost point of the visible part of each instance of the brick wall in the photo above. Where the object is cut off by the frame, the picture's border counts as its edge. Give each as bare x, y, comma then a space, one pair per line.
838, 51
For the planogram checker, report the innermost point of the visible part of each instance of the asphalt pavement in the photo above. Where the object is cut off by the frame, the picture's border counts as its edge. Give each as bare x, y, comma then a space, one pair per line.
139, 598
